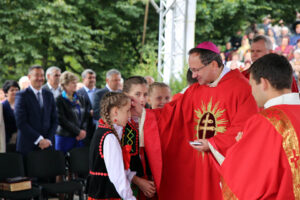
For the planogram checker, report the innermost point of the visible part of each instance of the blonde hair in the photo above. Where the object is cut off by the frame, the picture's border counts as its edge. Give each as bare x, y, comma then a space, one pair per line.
67, 77
109, 101
156, 85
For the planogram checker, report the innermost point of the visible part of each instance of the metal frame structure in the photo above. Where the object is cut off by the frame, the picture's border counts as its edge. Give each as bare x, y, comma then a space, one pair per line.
176, 36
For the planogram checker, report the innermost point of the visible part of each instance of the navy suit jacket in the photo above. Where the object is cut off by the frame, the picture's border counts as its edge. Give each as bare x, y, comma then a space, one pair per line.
85, 95
91, 124
97, 100
33, 121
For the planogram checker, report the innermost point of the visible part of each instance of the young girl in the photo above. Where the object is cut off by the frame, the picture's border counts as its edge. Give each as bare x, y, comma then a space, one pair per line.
109, 178
136, 87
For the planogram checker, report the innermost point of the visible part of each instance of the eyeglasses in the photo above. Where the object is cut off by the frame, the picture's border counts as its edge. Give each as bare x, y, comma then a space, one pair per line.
196, 70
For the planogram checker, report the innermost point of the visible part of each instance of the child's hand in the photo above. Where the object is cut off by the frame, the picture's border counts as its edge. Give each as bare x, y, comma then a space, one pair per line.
147, 187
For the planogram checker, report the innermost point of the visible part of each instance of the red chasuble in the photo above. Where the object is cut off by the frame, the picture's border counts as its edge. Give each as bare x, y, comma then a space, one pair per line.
217, 113
265, 163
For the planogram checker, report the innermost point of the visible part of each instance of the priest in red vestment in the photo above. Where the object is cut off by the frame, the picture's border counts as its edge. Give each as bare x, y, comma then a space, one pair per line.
215, 108
265, 162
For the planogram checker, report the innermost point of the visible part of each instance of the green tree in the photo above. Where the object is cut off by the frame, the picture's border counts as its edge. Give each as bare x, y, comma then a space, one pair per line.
218, 20
80, 34
122, 21
47, 33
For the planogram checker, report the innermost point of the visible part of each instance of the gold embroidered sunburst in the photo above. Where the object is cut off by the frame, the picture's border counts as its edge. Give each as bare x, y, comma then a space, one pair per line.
208, 122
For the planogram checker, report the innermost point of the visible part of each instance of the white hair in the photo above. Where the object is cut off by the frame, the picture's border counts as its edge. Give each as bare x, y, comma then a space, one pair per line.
110, 72
23, 79
51, 69
266, 39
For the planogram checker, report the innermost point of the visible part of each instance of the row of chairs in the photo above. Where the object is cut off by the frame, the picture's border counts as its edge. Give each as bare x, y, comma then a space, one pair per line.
42, 167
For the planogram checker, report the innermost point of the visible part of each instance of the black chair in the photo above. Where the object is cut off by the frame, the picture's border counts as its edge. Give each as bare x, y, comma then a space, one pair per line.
79, 164
45, 165
12, 166
11, 148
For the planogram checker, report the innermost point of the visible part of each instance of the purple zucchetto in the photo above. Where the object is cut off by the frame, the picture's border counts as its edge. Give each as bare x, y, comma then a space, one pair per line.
208, 46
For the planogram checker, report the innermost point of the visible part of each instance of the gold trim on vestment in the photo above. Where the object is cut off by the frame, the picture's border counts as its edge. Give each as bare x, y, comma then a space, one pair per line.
226, 191
290, 142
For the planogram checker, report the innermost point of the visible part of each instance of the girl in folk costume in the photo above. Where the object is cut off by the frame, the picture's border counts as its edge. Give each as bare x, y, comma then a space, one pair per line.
136, 87
110, 175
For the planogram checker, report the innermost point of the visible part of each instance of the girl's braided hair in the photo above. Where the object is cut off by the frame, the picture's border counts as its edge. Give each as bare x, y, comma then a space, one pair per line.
110, 100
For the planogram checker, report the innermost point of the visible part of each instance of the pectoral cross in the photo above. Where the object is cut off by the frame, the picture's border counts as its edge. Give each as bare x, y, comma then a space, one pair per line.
205, 128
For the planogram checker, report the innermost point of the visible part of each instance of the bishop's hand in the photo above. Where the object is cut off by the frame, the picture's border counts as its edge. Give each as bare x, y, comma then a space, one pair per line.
203, 146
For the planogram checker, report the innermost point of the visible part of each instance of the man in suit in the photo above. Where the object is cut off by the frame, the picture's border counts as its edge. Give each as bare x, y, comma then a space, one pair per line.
113, 82
35, 112
52, 75
87, 92
89, 86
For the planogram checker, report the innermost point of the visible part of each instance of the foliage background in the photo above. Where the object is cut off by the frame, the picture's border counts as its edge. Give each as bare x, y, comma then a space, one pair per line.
100, 34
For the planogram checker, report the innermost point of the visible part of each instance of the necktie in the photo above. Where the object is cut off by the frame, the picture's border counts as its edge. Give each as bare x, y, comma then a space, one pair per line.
39, 98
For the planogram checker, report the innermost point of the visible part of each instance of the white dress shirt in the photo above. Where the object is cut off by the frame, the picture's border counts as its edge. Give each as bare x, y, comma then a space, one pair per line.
56, 92
114, 163
91, 93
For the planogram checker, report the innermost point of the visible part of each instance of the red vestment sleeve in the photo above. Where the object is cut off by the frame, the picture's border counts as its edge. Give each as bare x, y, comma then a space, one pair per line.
153, 147
176, 96
257, 167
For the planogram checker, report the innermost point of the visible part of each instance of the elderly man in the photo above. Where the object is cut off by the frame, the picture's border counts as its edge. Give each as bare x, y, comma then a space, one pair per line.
52, 75
264, 164
214, 110
113, 82
88, 91
262, 45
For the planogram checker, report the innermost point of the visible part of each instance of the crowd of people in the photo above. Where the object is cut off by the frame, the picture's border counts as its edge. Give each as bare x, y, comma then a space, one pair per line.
227, 135
60, 115
285, 41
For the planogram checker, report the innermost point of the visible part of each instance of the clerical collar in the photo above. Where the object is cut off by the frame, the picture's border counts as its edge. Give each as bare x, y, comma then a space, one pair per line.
216, 82
119, 130
288, 99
